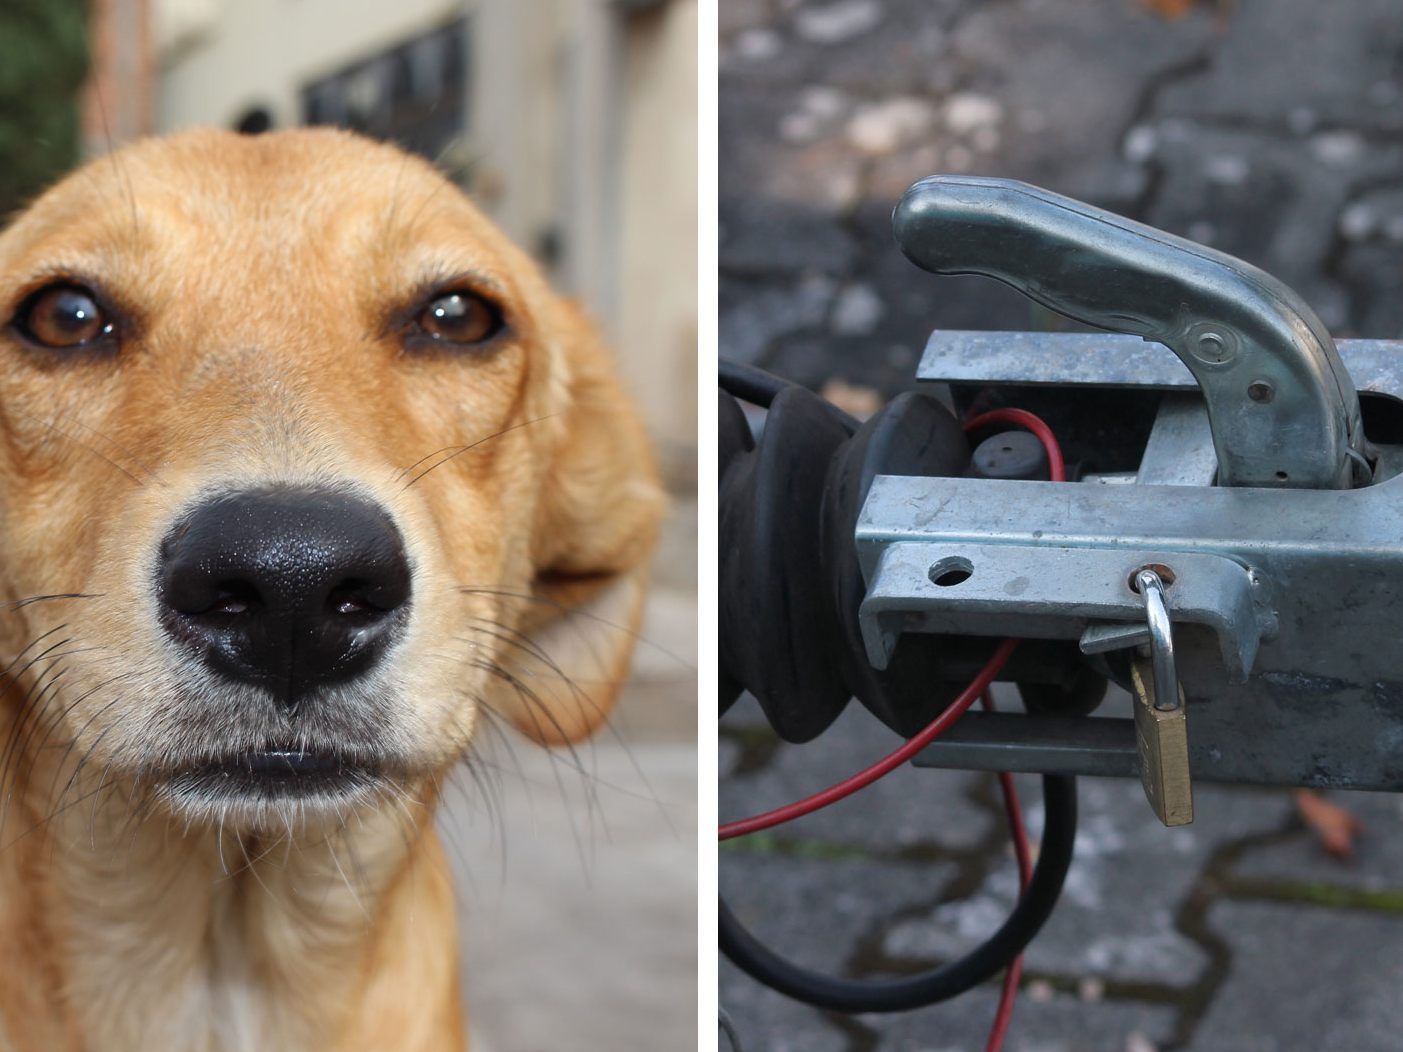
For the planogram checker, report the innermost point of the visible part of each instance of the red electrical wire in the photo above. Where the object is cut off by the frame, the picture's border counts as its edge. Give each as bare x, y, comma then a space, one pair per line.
977, 689
886, 764
769, 819
1024, 854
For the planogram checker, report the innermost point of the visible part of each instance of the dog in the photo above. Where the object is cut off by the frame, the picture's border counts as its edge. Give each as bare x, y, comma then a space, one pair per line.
306, 476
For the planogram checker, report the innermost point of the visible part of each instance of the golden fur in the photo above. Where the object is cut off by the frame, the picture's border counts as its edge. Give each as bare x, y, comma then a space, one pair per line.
260, 277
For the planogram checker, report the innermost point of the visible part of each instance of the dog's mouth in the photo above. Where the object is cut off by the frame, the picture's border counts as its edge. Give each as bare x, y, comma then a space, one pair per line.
277, 773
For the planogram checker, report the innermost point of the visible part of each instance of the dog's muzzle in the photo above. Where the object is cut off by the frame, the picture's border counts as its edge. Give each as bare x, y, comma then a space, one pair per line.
288, 589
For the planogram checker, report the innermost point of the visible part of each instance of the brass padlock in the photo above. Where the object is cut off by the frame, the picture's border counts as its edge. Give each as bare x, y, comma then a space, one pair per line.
1162, 737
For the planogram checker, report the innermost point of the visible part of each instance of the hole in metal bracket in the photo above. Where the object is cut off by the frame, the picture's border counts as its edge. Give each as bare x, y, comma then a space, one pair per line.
952, 571
1165, 574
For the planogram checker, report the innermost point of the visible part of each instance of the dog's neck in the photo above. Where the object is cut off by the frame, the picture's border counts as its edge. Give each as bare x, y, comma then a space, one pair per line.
134, 932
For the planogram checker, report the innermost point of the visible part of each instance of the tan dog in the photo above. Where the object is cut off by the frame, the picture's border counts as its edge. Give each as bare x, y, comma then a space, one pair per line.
304, 473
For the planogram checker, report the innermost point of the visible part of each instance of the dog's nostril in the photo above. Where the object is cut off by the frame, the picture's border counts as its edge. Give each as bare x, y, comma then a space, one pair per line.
357, 599
288, 589
231, 598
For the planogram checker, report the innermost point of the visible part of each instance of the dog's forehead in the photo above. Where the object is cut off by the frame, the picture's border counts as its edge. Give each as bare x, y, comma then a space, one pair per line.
319, 196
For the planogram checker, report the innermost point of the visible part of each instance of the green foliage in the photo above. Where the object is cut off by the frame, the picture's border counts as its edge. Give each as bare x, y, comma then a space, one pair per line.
43, 60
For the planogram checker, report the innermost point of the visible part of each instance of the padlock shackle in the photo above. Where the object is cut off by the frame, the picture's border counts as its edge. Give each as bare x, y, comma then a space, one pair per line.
1284, 411
1161, 633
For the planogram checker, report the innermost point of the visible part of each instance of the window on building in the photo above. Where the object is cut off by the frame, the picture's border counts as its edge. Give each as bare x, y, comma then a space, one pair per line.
414, 93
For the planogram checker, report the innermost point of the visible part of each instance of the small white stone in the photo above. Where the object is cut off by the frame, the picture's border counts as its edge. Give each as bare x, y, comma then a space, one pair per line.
966, 112
837, 22
757, 45
985, 140
819, 108
842, 189
813, 295
1226, 169
857, 311
1140, 143
823, 102
1338, 148
800, 127
884, 126
1138, 1042
1091, 990
958, 159
1357, 221
1041, 991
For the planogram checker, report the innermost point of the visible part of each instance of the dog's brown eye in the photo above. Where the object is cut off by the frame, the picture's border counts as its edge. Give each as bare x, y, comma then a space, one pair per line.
63, 316
459, 317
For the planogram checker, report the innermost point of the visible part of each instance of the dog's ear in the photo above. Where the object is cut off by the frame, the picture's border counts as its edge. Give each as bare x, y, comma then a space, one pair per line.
600, 509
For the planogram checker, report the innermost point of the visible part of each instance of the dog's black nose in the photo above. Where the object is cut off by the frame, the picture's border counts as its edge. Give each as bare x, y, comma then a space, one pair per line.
289, 589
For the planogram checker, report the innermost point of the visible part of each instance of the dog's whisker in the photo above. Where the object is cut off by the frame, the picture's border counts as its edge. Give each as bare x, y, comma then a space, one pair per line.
575, 611
83, 760
533, 648
457, 451
60, 806
28, 708
57, 722
89, 448
31, 600
591, 798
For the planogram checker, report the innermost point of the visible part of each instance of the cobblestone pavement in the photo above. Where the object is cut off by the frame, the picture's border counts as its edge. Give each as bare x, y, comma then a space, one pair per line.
1233, 934
1272, 129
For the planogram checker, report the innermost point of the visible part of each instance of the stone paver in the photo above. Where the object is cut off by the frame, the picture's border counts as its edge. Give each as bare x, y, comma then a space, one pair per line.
1352, 955
1118, 918
1052, 1022
1295, 859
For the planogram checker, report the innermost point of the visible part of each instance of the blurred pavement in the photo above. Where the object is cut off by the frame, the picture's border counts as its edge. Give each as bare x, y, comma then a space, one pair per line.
578, 878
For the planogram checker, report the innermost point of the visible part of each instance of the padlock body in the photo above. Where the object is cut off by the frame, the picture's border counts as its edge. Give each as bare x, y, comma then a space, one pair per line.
1162, 737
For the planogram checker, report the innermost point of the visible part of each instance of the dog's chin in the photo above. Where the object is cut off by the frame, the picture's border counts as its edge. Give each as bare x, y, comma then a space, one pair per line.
277, 789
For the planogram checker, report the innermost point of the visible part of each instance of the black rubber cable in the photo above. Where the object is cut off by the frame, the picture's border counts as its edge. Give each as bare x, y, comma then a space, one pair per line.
949, 980
750, 383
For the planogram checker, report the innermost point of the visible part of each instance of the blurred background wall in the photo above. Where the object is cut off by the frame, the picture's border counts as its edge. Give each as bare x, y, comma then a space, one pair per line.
573, 123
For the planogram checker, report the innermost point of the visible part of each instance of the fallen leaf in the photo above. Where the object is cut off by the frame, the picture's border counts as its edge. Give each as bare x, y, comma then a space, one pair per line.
1333, 825
1173, 10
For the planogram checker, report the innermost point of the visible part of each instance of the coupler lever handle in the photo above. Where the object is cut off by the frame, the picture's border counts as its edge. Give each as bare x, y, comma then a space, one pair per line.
1283, 410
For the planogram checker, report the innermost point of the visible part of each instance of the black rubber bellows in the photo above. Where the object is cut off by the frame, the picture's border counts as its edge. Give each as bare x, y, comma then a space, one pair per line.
791, 586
